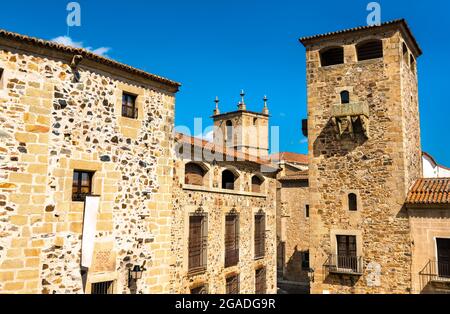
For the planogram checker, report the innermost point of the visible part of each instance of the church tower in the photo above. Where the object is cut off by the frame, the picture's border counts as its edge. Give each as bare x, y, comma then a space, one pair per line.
365, 153
244, 130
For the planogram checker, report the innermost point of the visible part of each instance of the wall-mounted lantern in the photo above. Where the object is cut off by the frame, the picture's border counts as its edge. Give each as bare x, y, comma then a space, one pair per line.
135, 274
311, 274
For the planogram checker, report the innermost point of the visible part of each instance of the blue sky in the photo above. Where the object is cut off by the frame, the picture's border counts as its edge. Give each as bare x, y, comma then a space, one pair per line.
218, 47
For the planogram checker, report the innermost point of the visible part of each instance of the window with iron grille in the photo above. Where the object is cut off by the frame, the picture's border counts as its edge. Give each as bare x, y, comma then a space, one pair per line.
129, 108
81, 185
443, 255
260, 281
260, 235
198, 242
305, 260
370, 50
332, 56
232, 286
231, 240
106, 287
347, 257
203, 289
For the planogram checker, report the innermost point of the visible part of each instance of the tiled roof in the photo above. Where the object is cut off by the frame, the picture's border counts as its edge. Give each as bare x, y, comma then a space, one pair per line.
234, 154
303, 175
401, 22
430, 191
290, 157
86, 54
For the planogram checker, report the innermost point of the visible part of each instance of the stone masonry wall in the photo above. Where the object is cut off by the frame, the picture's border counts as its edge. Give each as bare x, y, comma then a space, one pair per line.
57, 125
217, 203
376, 169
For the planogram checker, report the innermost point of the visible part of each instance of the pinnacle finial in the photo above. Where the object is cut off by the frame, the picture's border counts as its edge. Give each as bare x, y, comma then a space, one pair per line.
241, 105
265, 109
217, 111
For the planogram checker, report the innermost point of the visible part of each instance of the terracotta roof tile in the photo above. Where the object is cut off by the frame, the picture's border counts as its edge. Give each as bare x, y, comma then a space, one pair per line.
290, 157
236, 155
86, 54
430, 191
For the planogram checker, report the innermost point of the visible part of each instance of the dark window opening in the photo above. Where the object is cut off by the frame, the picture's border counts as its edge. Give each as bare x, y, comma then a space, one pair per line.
81, 185
305, 260
106, 287
347, 258
352, 202
405, 52
370, 50
194, 174
229, 130
129, 108
443, 255
332, 56
203, 289
256, 184
231, 240
307, 211
1, 74
260, 235
260, 281
255, 121
345, 97
198, 243
228, 180
232, 284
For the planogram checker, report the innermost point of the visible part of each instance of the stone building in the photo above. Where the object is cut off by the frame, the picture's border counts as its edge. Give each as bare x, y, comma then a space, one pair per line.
375, 225
81, 132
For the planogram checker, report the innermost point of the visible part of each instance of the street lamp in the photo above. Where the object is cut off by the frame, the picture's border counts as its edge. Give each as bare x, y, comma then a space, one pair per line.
311, 274
135, 273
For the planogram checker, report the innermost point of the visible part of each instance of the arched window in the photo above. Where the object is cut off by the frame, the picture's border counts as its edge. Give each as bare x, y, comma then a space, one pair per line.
405, 52
332, 56
370, 50
255, 121
194, 174
345, 97
256, 184
228, 179
352, 202
229, 126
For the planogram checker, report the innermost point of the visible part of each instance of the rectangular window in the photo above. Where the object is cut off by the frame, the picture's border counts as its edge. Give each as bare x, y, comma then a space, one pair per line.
305, 260
443, 255
81, 185
347, 258
307, 211
203, 289
260, 235
198, 242
106, 287
232, 284
231, 240
129, 108
260, 281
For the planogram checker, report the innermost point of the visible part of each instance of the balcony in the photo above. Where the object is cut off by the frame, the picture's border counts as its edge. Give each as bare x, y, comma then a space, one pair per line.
435, 273
344, 265
350, 118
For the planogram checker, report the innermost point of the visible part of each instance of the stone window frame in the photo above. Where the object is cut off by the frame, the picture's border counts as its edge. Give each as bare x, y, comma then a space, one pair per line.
255, 212
87, 166
263, 185
366, 39
350, 90
342, 232
405, 54
321, 51
188, 212
435, 237
130, 127
207, 178
307, 210
345, 203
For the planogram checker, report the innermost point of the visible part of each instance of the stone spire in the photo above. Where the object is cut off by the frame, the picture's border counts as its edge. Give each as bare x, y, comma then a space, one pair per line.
265, 109
242, 105
217, 111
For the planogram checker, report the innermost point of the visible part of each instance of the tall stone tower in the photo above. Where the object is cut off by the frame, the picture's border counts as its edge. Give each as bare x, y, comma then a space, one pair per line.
243, 130
365, 153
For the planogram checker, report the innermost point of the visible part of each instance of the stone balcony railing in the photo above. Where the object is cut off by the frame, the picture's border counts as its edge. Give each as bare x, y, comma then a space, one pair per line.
350, 110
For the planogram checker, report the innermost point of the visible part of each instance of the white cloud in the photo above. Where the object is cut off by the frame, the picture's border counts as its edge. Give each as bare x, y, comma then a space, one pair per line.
67, 41
304, 141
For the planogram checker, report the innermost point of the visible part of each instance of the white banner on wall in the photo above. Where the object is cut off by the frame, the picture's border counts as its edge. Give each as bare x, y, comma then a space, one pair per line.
89, 229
